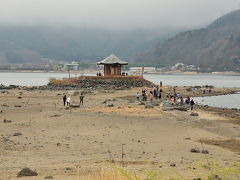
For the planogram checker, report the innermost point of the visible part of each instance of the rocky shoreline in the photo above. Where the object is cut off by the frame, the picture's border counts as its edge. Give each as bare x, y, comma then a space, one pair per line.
89, 83
88, 86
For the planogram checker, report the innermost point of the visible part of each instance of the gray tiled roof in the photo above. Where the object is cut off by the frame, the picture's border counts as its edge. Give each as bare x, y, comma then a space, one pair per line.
112, 59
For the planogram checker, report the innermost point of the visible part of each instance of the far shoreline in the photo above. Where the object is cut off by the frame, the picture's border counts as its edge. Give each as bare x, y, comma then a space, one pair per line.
224, 73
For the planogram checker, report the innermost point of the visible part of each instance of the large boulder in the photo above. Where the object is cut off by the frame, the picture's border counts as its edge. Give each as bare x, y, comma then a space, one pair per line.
26, 172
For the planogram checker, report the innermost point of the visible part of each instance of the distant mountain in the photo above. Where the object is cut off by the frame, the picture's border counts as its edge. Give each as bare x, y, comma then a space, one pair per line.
39, 44
216, 47
230, 20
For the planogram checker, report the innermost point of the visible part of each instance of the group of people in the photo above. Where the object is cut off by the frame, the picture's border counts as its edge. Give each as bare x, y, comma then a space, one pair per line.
153, 93
67, 100
207, 91
99, 74
178, 98
171, 98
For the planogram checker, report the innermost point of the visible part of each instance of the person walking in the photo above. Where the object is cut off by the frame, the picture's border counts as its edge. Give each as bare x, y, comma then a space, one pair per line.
174, 89
68, 100
192, 104
187, 100
138, 95
159, 95
156, 95
64, 100
154, 92
81, 98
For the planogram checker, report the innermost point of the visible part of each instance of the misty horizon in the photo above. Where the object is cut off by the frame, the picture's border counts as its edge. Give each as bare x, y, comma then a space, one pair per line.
113, 14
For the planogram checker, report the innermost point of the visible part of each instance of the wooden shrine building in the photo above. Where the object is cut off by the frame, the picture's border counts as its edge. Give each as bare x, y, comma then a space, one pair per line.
112, 65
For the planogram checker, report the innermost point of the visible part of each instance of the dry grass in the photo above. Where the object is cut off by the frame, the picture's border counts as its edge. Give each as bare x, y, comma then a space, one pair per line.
204, 171
113, 173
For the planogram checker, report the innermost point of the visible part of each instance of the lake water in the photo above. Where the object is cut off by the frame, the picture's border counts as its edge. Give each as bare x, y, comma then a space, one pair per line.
225, 101
195, 80
38, 79
230, 101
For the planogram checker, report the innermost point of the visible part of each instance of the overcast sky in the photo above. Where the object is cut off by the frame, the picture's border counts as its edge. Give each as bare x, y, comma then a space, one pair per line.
115, 13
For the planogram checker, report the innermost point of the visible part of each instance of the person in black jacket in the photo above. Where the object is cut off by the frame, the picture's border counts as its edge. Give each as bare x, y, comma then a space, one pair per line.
64, 100
191, 104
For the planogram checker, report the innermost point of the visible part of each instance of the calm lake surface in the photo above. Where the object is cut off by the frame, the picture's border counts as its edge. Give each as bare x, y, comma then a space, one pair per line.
195, 80
225, 101
38, 79
229, 101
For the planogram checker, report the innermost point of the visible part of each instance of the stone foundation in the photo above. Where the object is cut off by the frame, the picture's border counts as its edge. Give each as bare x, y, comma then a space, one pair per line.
94, 82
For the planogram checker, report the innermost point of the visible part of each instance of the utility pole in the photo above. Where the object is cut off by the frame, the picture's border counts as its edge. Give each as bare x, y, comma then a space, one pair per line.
68, 72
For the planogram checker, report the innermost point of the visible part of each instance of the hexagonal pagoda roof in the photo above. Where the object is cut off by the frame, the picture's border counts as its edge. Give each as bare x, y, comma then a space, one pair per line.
112, 59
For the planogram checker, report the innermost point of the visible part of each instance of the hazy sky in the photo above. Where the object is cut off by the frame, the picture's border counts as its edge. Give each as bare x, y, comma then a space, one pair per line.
115, 13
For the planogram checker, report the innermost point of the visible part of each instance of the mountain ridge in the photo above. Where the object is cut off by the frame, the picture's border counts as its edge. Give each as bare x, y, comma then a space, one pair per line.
216, 47
39, 44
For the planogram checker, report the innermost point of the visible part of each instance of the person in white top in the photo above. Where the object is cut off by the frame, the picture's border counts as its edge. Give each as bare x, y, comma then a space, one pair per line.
138, 95
68, 101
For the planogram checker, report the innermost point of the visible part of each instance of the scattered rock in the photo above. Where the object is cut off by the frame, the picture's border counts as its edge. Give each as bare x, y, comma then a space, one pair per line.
76, 93
55, 115
26, 172
193, 114
195, 150
19, 97
107, 100
179, 108
205, 152
48, 177
17, 106
6, 121
75, 106
69, 169
215, 177
149, 106
141, 103
4, 92
110, 105
17, 134
172, 165
156, 103
131, 101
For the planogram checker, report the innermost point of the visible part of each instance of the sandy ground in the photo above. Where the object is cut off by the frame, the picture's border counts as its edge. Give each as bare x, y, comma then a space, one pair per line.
70, 143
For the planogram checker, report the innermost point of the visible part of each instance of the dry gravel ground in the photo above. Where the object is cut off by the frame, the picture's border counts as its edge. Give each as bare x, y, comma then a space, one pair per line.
70, 143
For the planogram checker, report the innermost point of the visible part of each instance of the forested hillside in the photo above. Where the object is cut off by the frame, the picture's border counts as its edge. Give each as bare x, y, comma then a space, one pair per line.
39, 44
216, 47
